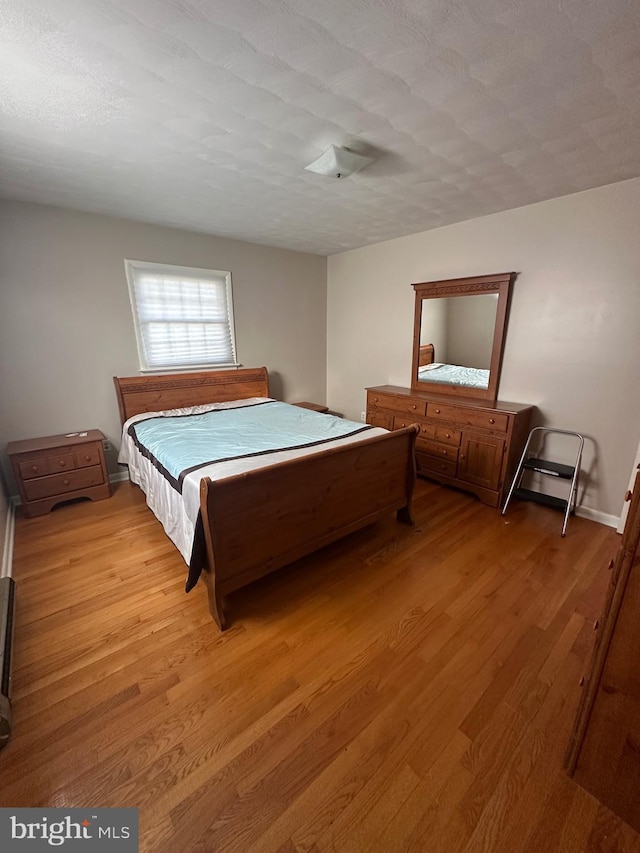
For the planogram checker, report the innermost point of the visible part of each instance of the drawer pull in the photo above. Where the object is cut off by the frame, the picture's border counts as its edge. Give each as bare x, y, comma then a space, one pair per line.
414, 407
492, 420
445, 452
66, 482
628, 495
462, 456
87, 457
34, 468
62, 463
611, 564
448, 435
596, 625
437, 411
375, 399
581, 682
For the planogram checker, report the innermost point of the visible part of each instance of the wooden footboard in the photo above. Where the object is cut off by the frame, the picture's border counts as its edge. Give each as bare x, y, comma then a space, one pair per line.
258, 521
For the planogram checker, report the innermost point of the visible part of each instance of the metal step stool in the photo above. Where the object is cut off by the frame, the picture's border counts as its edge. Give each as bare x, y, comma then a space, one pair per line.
550, 469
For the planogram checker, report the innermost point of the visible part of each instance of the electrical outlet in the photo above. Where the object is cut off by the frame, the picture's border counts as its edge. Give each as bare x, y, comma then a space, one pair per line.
106, 445
363, 416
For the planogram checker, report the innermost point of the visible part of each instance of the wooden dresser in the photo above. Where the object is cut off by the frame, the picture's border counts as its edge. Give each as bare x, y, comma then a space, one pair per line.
58, 468
471, 444
604, 751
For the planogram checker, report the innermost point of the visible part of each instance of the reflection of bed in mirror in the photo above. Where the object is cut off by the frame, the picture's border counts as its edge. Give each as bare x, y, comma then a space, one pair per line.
426, 355
430, 370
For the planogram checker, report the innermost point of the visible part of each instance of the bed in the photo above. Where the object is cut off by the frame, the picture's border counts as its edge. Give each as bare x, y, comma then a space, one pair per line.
449, 374
276, 505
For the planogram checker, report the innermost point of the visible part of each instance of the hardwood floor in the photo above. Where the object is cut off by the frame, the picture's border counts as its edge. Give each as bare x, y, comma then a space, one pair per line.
413, 690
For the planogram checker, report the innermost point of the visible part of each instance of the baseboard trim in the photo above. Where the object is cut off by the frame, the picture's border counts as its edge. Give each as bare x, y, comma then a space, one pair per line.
7, 551
600, 517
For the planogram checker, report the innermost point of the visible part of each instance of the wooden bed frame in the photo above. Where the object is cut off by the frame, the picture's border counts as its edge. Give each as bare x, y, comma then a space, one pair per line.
426, 354
259, 521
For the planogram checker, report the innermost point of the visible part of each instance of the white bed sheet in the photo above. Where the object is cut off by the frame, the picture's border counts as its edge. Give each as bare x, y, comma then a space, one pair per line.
178, 512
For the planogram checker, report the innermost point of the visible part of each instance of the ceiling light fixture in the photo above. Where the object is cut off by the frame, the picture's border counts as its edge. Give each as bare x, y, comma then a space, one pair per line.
338, 162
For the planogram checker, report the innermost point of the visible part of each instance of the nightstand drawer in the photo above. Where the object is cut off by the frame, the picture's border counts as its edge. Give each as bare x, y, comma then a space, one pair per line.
87, 455
59, 484
37, 467
61, 462
62, 459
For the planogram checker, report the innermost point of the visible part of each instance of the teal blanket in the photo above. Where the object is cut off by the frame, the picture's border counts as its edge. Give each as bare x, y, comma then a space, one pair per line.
180, 444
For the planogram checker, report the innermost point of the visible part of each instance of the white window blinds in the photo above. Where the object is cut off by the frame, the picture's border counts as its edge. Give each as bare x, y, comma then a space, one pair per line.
183, 316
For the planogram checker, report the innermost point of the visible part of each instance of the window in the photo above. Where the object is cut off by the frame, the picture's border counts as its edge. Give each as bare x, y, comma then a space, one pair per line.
183, 316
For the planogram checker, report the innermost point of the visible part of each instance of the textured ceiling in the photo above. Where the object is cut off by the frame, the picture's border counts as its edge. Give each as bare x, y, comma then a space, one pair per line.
203, 113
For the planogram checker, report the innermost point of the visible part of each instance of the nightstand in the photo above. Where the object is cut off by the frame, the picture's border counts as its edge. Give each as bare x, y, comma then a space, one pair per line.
315, 407
58, 468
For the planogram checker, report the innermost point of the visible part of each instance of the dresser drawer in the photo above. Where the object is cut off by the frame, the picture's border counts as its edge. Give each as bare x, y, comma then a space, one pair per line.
437, 466
435, 448
426, 430
379, 419
468, 416
407, 406
430, 430
447, 436
60, 484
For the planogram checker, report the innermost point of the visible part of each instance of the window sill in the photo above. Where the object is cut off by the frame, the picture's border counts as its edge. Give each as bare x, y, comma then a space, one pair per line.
189, 367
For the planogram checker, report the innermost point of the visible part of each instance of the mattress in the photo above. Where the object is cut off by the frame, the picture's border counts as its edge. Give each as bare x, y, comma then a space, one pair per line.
169, 452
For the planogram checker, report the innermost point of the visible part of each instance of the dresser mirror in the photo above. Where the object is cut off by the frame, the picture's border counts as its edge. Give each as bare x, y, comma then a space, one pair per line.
458, 335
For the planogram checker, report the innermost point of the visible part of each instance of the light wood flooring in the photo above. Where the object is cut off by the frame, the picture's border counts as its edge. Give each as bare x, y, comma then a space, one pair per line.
407, 689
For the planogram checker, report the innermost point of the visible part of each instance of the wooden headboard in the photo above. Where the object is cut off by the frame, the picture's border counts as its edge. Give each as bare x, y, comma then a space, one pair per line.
427, 354
137, 394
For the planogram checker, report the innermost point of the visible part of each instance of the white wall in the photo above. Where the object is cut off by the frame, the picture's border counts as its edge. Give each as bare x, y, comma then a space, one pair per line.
573, 339
65, 319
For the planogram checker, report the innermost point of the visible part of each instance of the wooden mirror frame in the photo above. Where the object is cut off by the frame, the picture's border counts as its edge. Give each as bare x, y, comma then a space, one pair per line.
499, 283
